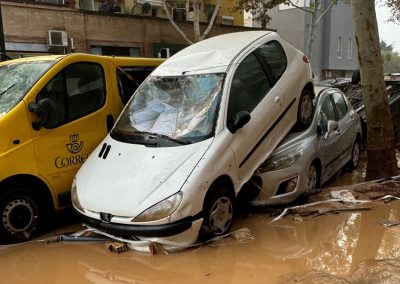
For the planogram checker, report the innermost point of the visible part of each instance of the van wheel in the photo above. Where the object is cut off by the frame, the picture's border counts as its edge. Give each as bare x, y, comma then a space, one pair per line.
218, 212
20, 214
306, 109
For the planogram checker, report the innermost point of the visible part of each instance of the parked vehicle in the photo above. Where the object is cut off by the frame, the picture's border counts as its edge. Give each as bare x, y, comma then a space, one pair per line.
191, 136
305, 160
54, 110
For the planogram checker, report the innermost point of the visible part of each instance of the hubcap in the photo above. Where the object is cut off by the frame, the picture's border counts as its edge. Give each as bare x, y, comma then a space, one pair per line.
306, 109
312, 179
221, 215
356, 155
19, 216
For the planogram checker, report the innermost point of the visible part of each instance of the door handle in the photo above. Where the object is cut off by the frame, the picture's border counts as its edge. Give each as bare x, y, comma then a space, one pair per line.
278, 100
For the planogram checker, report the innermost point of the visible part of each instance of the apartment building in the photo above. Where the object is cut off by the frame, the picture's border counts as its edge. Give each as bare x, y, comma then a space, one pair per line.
109, 27
334, 49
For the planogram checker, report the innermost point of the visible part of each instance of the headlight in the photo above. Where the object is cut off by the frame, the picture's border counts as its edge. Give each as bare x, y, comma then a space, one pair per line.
160, 210
282, 161
74, 196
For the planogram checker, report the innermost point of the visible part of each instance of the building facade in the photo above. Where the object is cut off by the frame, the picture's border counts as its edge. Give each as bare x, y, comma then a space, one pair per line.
62, 26
334, 51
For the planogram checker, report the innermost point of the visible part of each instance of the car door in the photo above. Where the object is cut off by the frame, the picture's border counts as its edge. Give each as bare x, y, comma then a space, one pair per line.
79, 94
253, 90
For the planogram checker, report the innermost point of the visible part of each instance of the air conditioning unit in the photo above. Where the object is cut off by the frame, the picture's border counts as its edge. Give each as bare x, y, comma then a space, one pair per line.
57, 38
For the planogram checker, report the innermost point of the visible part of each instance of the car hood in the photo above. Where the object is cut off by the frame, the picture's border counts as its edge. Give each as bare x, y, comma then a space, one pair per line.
134, 177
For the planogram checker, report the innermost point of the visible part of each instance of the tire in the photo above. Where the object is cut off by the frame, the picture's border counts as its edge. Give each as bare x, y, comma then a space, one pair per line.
313, 179
218, 213
305, 110
21, 214
355, 156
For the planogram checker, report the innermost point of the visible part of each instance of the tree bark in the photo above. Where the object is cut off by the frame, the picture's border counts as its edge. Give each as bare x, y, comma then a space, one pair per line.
380, 134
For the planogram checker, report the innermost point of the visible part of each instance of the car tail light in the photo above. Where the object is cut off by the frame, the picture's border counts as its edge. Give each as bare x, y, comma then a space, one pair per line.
306, 59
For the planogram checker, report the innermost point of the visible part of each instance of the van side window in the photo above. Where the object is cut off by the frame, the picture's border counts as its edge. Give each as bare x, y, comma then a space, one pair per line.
77, 90
85, 89
55, 91
273, 55
249, 86
129, 79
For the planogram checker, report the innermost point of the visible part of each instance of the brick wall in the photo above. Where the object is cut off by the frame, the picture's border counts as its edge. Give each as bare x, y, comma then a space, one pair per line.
29, 23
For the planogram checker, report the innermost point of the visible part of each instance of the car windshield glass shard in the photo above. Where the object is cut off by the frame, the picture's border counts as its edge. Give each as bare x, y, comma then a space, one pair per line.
182, 108
166, 137
17, 78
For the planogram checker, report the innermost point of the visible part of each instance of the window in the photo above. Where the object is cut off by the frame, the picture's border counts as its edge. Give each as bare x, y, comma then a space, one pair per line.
77, 90
249, 86
273, 55
327, 113
341, 105
349, 48
339, 48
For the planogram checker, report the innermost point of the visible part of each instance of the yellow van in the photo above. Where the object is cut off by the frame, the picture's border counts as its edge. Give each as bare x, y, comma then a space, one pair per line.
54, 110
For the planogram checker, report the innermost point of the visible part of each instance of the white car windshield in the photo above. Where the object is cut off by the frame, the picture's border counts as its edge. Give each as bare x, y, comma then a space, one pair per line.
16, 79
181, 109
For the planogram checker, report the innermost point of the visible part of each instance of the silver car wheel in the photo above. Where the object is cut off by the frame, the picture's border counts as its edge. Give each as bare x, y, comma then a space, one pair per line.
221, 215
312, 179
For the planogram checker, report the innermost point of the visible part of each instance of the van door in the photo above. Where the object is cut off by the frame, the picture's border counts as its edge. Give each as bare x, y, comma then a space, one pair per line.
79, 93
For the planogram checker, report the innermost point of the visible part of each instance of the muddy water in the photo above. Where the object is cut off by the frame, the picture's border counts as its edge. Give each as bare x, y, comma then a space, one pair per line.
347, 247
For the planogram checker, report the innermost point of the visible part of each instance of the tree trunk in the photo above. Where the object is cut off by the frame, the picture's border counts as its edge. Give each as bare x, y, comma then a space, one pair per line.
311, 34
196, 20
380, 134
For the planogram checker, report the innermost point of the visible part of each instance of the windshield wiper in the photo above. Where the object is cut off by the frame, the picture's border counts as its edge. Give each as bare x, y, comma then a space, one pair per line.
166, 137
7, 89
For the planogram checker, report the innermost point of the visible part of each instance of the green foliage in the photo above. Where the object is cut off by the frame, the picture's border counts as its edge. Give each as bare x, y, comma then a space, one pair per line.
394, 6
259, 8
391, 59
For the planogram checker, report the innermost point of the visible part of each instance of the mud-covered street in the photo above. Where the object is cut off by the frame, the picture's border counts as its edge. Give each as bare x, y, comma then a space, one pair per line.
351, 246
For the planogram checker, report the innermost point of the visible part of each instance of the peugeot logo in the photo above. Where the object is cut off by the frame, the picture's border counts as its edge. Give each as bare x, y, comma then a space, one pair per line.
105, 217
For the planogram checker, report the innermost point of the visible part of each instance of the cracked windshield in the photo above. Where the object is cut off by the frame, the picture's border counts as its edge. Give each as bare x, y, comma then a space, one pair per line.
183, 108
16, 79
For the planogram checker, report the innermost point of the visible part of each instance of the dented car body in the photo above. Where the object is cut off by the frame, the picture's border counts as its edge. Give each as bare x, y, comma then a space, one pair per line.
190, 137
305, 160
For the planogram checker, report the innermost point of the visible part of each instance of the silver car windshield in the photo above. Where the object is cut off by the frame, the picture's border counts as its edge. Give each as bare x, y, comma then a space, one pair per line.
16, 79
181, 109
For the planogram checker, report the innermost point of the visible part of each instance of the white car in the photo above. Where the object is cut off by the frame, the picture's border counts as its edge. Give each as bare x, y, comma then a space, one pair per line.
192, 135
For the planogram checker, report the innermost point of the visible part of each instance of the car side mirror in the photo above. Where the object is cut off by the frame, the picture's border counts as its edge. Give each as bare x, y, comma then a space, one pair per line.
46, 111
332, 127
241, 119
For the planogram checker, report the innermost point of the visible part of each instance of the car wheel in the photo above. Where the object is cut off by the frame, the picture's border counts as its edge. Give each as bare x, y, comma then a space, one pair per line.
355, 156
218, 212
312, 183
306, 109
20, 214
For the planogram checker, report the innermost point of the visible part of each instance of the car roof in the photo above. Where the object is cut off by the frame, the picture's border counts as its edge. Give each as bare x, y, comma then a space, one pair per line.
213, 55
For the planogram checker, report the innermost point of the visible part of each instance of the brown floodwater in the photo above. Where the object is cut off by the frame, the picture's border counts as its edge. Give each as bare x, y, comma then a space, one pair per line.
350, 247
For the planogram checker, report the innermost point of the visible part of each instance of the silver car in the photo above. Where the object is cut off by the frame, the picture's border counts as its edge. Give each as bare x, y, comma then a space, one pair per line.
305, 160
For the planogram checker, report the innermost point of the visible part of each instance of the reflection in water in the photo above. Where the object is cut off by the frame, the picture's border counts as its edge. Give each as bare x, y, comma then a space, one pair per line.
326, 247
390, 247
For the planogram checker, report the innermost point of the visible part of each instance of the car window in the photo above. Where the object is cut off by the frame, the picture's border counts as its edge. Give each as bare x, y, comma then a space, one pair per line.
249, 86
77, 91
327, 113
273, 55
341, 106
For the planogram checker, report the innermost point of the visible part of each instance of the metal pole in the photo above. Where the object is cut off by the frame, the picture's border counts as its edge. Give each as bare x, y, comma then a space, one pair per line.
3, 56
